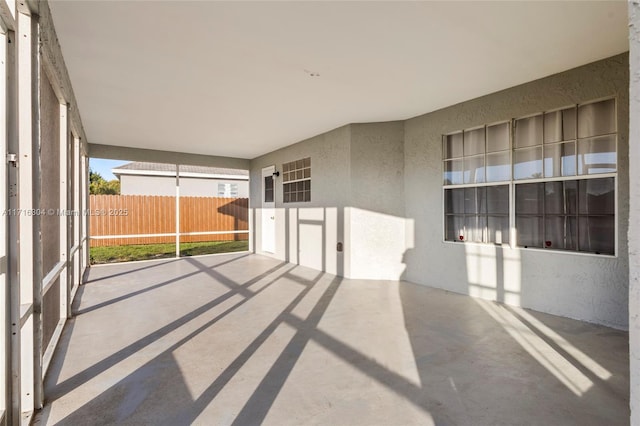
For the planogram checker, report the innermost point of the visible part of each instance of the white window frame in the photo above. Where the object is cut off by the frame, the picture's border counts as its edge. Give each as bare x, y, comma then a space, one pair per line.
512, 182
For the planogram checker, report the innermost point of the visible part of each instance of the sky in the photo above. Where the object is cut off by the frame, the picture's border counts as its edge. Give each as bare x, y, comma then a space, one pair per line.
104, 166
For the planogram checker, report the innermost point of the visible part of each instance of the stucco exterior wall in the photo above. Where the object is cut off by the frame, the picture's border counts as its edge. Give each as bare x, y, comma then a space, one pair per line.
307, 233
586, 287
634, 210
166, 185
356, 199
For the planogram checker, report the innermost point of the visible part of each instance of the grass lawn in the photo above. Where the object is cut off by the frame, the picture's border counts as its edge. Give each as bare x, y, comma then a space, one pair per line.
158, 251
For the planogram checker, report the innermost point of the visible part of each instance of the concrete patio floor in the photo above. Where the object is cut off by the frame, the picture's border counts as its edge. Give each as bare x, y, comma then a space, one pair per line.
244, 339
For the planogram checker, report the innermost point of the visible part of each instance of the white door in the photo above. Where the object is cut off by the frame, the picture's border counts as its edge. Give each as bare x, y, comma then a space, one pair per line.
268, 210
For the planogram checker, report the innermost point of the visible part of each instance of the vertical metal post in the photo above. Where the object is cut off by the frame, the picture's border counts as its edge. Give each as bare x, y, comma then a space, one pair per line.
86, 230
63, 217
5, 307
177, 210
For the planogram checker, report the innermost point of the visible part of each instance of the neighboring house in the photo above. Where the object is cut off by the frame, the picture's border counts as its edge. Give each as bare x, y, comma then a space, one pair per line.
141, 178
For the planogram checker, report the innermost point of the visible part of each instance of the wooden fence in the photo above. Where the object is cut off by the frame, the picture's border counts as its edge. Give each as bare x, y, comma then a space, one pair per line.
150, 214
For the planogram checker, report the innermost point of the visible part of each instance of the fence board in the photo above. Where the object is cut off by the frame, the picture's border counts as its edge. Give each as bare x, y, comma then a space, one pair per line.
150, 214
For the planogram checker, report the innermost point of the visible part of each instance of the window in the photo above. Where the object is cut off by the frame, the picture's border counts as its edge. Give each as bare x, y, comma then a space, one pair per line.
561, 171
228, 190
296, 176
477, 159
268, 189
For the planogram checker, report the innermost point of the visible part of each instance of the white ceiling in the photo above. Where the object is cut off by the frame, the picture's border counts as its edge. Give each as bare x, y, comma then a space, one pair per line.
233, 78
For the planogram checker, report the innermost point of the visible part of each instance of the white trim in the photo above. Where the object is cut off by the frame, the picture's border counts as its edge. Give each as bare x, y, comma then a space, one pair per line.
182, 174
48, 353
50, 278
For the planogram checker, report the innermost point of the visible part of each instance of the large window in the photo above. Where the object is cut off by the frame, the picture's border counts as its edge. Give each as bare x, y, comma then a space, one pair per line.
296, 176
560, 169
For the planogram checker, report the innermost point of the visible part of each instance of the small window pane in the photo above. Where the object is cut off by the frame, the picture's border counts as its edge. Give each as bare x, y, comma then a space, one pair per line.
596, 234
560, 159
452, 146
528, 131
554, 201
453, 172
307, 173
498, 167
498, 137
597, 155
596, 119
561, 233
529, 230
474, 169
299, 164
454, 200
474, 142
560, 125
596, 196
498, 229
473, 227
527, 163
286, 197
529, 198
470, 200
307, 162
498, 199
454, 228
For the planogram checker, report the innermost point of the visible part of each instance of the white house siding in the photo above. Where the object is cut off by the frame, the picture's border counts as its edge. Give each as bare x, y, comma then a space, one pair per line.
166, 185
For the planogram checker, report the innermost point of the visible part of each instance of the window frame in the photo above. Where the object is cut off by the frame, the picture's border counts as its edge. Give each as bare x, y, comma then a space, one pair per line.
289, 167
512, 182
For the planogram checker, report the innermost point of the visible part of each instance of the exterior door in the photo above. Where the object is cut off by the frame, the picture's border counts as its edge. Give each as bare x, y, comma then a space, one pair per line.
268, 210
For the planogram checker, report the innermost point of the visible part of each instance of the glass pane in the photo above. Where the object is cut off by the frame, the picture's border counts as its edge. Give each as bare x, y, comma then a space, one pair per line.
529, 198
454, 228
498, 229
307, 173
528, 131
473, 228
560, 159
453, 172
596, 119
268, 189
285, 167
529, 231
470, 200
498, 167
452, 146
527, 163
596, 234
498, 199
299, 164
596, 196
560, 125
474, 142
498, 137
307, 162
454, 201
474, 169
554, 198
560, 232
597, 155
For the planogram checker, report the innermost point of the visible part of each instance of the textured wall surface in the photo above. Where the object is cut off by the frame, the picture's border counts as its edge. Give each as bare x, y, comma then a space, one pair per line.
586, 287
634, 210
377, 188
307, 233
357, 199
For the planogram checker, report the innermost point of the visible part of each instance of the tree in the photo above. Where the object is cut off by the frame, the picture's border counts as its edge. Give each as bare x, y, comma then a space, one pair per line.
99, 185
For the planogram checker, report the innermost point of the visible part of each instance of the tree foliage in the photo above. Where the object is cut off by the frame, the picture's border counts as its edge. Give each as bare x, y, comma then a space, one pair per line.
99, 185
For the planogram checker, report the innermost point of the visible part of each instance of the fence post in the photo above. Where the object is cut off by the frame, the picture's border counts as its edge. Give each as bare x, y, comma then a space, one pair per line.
177, 210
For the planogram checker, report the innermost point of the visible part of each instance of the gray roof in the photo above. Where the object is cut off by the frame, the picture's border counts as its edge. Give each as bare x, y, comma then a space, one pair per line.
165, 167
